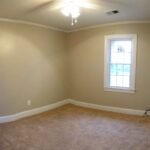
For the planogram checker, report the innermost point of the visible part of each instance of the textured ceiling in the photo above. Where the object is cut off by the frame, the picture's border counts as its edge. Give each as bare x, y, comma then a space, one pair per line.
130, 10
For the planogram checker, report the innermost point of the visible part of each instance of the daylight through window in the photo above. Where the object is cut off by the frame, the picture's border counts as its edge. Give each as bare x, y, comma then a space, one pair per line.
120, 58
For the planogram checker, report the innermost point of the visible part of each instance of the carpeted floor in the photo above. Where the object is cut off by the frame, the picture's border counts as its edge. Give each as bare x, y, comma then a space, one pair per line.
75, 128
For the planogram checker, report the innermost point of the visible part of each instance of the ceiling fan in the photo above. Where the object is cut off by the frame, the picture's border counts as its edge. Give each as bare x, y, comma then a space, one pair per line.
71, 8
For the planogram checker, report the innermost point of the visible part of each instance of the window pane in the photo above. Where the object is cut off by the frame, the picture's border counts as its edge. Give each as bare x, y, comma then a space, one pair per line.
126, 70
121, 51
113, 69
120, 69
119, 81
113, 80
126, 81
127, 58
119, 75
120, 63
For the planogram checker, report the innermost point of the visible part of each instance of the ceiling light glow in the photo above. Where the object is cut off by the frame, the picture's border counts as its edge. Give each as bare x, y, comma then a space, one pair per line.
72, 9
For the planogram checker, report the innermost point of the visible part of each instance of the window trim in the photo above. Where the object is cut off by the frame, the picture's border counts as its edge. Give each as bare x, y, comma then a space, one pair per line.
108, 39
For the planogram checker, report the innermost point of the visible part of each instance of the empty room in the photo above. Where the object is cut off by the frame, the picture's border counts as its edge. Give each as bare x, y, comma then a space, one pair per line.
74, 75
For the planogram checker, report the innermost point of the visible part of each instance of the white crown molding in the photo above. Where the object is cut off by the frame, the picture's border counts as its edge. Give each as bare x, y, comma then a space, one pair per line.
31, 23
14, 117
67, 31
108, 24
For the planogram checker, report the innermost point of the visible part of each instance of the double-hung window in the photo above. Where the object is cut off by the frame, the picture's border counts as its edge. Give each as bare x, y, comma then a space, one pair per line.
120, 63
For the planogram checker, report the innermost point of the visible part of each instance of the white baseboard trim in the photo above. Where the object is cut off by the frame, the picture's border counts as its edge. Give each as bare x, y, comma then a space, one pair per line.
107, 108
14, 117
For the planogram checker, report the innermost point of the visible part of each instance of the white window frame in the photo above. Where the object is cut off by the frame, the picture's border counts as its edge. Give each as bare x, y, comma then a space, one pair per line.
108, 39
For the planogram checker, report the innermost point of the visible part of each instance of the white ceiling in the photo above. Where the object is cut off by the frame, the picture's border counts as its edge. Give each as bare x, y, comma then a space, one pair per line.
130, 10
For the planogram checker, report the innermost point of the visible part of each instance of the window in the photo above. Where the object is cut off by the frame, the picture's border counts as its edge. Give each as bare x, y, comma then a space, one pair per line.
120, 63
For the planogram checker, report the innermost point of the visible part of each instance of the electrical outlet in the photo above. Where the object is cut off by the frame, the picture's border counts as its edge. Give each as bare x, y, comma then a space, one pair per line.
29, 102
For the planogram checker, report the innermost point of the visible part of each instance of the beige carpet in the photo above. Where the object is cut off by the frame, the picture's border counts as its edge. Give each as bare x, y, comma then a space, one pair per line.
75, 128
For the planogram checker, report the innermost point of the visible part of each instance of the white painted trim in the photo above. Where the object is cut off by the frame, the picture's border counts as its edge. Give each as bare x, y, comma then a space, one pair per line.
119, 90
107, 108
108, 24
74, 30
13, 117
30, 23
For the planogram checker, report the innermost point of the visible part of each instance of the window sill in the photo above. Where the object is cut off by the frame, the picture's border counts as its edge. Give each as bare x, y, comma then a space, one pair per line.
119, 90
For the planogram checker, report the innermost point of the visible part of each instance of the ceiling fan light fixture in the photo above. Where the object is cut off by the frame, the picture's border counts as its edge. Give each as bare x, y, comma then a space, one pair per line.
65, 12
75, 13
71, 9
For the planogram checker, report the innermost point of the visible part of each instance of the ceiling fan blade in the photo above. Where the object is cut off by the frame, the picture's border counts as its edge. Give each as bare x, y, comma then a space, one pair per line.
81, 3
45, 5
108, 2
57, 5
88, 5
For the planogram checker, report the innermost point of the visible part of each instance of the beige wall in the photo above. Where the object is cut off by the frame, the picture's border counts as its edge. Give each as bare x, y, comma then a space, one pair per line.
33, 65
47, 66
86, 61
